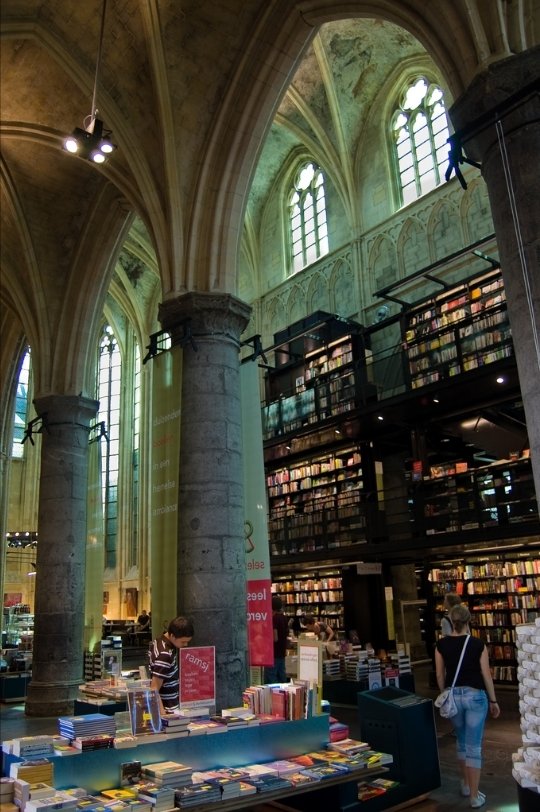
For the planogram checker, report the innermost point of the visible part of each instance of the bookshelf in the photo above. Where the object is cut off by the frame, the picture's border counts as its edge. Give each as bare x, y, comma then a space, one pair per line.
501, 595
455, 499
318, 593
321, 371
320, 501
461, 329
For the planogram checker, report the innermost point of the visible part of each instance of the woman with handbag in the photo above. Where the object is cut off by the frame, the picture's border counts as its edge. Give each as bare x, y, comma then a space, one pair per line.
462, 661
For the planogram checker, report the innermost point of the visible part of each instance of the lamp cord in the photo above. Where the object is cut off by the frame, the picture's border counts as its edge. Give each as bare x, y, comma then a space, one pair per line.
98, 60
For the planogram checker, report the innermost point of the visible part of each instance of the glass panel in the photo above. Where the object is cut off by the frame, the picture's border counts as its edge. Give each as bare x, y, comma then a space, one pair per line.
425, 165
407, 177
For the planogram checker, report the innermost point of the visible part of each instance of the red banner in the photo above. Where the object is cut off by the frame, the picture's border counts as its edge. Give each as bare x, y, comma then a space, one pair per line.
259, 608
258, 577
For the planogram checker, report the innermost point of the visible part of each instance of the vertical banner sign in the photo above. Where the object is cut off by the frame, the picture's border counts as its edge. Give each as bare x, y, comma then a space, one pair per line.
165, 445
93, 579
197, 676
258, 578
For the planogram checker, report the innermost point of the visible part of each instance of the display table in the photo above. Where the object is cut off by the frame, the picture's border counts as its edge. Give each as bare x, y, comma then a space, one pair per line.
100, 769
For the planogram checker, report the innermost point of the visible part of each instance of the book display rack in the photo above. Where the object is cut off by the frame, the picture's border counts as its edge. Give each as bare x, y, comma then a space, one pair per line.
459, 330
321, 372
318, 502
245, 754
456, 499
317, 593
501, 595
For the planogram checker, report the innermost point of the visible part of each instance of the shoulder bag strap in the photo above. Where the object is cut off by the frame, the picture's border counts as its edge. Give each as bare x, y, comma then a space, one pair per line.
460, 659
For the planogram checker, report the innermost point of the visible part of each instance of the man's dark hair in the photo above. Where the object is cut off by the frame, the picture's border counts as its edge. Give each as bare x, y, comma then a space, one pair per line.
181, 627
277, 603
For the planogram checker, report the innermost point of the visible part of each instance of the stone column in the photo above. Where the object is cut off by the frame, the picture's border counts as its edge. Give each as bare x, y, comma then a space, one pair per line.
211, 556
507, 145
57, 666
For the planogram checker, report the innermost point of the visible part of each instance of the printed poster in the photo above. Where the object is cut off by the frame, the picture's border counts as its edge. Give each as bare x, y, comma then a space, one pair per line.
197, 675
165, 443
258, 577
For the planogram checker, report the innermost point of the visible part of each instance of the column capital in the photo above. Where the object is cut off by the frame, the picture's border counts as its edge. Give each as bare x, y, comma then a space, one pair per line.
67, 410
493, 89
210, 314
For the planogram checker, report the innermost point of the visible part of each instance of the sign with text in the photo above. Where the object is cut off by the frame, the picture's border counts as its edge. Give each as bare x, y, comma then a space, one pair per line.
310, 657
259, 613
165, 444
258, 577
369, 568
197, 675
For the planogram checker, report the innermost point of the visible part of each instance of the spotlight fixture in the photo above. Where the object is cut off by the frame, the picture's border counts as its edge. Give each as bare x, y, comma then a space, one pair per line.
92, 141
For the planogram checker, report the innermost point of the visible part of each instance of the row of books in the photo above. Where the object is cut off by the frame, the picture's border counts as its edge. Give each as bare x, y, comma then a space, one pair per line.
163, 785
288, 700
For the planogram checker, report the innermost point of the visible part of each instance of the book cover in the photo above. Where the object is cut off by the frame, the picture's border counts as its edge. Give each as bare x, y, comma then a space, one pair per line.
130, 773
367, 791
144, 711
124, 794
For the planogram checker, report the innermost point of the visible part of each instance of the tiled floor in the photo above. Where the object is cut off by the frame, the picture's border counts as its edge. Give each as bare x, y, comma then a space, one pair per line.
502, 738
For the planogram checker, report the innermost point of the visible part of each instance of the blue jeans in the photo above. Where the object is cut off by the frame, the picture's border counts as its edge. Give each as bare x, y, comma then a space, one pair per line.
472, 705
275, 673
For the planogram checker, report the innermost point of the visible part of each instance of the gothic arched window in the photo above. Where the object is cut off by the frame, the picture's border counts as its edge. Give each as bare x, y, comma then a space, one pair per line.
21, 407
110, 370
420, 135
307, 216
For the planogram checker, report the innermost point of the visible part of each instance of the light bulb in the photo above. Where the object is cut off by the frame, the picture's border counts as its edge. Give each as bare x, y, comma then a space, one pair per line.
71, 144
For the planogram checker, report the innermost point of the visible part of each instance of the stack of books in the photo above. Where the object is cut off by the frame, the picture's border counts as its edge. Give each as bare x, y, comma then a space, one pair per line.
177, 725
90, 724
98, 741
127, 805
33, 746
269, 783
59, 801
90, 803
161, 798
221, 776
331, 669
168, 773
319, 772
120, 794
209, 726
282, 766
349, 747
244, 713
23, 792
38, 770
7, 788
196, 794
338, 730
402, 661
259, 770
230, 722
194, 712
299, 779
